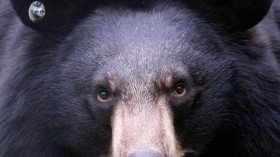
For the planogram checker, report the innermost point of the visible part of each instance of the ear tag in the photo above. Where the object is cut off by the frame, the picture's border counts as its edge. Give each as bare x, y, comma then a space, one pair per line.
36, 11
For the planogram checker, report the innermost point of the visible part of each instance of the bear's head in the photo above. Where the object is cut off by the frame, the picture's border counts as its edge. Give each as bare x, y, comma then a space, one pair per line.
142, 78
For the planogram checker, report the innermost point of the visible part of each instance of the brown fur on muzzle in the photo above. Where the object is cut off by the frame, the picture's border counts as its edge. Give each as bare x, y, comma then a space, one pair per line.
144, 127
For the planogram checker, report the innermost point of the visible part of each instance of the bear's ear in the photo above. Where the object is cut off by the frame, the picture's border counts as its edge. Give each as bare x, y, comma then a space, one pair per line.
238, 14
56, 13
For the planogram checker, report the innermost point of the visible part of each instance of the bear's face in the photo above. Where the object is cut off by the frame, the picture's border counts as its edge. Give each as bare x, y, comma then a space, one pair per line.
130, 79
148, 80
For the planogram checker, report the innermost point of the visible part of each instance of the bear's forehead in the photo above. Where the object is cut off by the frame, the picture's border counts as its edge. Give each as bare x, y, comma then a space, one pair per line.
143, 67
138, 46
156, 32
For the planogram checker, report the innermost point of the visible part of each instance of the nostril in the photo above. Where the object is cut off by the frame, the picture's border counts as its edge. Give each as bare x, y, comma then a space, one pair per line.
148, 153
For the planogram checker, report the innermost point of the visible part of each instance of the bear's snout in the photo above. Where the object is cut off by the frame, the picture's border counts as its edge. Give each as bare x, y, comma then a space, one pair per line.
144, 127
148, 153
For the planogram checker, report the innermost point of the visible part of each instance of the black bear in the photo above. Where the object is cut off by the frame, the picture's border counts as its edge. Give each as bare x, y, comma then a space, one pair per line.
139, 78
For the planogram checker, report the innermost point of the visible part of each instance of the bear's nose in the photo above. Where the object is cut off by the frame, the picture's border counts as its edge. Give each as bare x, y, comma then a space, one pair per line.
148, 153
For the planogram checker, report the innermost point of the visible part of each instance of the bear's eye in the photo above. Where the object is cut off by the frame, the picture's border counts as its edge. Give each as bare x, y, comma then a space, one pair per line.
104, 95
179, 90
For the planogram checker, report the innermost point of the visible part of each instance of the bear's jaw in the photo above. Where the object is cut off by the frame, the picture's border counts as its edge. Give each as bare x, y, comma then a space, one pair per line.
146, 127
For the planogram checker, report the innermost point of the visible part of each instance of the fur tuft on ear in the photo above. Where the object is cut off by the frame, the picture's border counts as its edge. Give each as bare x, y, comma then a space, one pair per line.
240, 15
58, 13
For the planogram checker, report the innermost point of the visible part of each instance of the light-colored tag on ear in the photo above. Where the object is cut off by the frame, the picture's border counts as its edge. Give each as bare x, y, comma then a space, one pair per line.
36, 11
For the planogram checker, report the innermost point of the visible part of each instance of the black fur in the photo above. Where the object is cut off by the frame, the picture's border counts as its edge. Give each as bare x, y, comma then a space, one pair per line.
49, 73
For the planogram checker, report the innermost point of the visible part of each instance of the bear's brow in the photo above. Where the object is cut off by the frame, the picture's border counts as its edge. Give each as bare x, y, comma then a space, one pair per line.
112, 79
